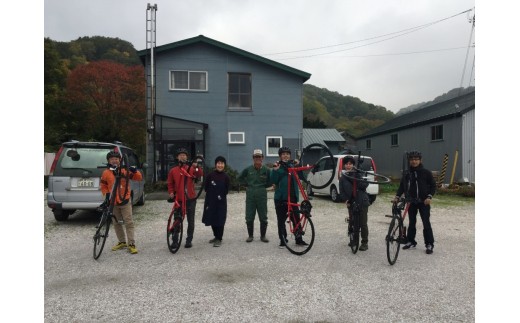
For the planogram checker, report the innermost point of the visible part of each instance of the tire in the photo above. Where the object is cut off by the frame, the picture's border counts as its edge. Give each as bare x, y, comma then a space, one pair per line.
174, 233
393, 241
61, 215
101, 235
327, 153
141, 200
307, 231
308, 190
334, 194
353, 233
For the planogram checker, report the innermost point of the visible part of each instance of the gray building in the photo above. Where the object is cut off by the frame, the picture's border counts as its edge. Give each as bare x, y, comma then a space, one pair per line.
330, 138
444, 128
215, 99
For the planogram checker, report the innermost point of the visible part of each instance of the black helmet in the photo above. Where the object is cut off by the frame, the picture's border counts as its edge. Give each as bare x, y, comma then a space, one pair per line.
284, 150
348, 159
113, 153
414, 154
181, 150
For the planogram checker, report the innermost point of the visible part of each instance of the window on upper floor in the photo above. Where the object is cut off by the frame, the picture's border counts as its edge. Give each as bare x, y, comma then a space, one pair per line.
368, 144
437, 133
239, 91
394, 140
273, 143
189, 80
236, 138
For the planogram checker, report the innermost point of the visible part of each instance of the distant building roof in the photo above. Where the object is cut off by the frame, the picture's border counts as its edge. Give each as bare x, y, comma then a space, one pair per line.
320, 136
436, 112
203, 39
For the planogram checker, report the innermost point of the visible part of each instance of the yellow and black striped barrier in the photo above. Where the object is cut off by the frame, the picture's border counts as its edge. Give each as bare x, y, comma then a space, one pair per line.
443, 171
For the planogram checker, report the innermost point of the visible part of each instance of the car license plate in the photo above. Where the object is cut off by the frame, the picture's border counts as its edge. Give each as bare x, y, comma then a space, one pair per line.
85, 182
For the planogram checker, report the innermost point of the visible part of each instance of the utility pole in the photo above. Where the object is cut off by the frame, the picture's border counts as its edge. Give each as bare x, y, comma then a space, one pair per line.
151, 12
472, 22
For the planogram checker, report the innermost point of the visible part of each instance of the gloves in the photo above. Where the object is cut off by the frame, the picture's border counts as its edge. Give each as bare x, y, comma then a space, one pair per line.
105, 203
132, 169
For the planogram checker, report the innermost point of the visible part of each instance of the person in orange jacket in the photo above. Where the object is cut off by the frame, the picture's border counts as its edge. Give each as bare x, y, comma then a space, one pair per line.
178, 184
122, 207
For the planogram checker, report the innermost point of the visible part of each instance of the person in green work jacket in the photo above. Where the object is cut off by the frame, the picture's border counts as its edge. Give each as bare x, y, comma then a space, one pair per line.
257, 179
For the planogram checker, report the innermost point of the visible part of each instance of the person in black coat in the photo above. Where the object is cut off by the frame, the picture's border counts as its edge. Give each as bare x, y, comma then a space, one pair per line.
353, 190
216, 187
418, 186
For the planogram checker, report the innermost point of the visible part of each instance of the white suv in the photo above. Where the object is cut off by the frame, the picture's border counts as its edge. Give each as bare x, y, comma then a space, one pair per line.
323, 170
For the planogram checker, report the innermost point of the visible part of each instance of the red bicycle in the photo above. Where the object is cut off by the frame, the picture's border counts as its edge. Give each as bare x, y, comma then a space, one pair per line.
299, 223
174, 228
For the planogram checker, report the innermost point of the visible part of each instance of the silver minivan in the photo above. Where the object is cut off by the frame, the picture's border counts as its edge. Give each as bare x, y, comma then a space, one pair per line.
323, 170
75, 175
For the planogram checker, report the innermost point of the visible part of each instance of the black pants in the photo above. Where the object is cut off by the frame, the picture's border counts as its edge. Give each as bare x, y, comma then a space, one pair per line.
190, 217
281, 216
424, 211
218, 231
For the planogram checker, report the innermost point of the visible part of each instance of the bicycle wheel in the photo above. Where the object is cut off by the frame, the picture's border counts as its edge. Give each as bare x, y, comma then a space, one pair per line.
327, 153
393, 240
304, 230
376, 178
101, 235
353, 233
174, 233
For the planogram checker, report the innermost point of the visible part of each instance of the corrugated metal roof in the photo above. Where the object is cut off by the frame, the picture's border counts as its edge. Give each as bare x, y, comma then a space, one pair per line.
320, 136
437, 111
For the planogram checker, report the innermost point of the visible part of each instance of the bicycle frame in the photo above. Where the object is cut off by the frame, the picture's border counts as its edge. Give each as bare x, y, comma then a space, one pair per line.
292, 207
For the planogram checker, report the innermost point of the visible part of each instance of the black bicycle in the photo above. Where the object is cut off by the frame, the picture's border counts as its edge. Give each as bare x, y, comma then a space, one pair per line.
354, 214
101, 235
396, 231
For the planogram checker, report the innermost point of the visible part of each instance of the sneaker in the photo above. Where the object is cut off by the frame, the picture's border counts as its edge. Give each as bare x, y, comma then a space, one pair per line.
217, 243
119, 246
301, 242
213, 240
281, 245
264, 239
132, 249
409, 245
249, 239
429, 249
187, 244
363, 247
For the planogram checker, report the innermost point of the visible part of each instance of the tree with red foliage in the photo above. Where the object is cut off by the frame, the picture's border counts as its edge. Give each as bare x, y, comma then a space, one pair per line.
107, 103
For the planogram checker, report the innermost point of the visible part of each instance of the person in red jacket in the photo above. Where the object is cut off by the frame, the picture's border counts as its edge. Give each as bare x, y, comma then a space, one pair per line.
178, 184
122, 207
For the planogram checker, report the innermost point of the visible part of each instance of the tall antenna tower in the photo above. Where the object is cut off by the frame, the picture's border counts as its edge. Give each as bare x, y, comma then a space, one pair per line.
151, 12
471, 20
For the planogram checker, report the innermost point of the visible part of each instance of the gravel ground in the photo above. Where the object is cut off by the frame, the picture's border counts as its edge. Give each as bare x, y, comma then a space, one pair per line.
258, 282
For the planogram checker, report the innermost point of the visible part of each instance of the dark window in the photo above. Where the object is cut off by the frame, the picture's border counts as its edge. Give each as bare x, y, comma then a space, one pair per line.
394, 140
437, 133
239, 87
368, 144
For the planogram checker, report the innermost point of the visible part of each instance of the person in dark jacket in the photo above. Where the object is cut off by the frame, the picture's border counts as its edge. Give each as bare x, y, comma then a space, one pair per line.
353, 190
216, 187
418, 186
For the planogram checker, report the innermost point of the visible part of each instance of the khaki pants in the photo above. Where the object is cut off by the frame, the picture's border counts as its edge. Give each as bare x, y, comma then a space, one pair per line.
124, 212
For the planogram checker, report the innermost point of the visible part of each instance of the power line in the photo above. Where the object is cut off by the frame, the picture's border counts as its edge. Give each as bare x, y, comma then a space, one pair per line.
400, 33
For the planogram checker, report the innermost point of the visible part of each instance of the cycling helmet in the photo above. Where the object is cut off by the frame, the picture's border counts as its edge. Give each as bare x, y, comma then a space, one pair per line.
349, 159
113, 153
414, 154
284, 150
181, 150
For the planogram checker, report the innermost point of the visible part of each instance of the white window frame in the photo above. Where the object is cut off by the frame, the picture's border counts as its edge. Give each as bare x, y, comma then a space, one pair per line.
267, 153
236, 142
172, 82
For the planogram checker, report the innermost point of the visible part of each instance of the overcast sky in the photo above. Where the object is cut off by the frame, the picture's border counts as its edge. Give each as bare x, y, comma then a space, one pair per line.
389, 53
